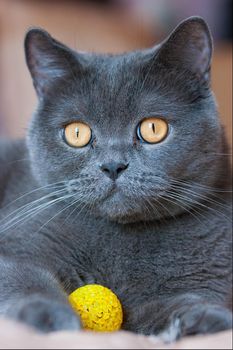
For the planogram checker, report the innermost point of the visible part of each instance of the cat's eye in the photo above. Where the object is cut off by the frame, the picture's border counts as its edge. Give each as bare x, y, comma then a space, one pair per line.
152, 130
77, 134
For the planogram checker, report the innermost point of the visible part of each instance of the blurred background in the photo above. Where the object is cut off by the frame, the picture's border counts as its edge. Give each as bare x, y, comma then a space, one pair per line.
102, 26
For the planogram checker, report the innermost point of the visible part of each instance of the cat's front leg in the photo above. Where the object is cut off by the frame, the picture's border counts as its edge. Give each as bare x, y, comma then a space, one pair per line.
180, 316
31, 295
201, 318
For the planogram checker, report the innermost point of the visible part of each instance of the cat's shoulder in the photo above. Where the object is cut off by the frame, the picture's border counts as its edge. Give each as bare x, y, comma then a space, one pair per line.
12, 155
13, 163
11, 150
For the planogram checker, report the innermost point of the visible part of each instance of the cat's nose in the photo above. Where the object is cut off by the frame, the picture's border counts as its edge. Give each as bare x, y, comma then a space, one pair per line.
113, 169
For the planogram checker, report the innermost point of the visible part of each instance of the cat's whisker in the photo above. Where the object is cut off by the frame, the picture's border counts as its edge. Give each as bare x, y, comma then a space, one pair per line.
139, 193
18, 161
201, 186
145, 199
198, 204
161, 205
57, 214
197, 195
93, 196
85, 201
206, 194
29, 205
151, 207
78, 213
25, 215
66, 219
33, 208
189, 183
194, 195
32, 212
162, 217
41, 188
85, 205
176, 201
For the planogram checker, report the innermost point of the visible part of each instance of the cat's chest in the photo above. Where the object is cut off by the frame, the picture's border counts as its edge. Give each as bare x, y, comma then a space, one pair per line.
140, 259
127, 268
136, 261
144, 262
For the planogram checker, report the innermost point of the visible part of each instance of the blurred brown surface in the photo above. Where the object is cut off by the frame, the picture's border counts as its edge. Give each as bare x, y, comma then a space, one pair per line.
18, 336
222, 84
83, 27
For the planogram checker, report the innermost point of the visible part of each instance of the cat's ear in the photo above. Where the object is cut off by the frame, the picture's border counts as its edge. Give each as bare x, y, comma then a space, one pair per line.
47, 59
189, 47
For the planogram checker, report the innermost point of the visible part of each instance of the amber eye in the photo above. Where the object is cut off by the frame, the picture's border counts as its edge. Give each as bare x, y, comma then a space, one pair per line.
77, 134
152, 130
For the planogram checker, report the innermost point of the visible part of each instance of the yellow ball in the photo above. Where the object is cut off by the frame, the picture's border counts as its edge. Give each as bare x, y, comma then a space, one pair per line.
98, 307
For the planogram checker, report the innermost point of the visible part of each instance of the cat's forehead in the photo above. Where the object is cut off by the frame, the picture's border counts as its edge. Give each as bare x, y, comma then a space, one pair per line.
114, 86
118, 68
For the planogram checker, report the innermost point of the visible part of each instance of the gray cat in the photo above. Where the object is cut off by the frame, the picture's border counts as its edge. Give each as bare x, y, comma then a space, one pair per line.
123, 181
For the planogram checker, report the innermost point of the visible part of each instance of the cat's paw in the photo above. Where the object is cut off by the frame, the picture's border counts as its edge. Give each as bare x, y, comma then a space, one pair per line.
46, 315
198, 319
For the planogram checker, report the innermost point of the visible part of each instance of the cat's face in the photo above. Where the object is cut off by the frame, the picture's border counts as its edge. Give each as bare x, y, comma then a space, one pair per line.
92, 128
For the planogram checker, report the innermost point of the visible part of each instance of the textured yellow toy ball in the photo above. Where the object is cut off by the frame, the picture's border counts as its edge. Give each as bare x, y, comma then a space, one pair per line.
98, 307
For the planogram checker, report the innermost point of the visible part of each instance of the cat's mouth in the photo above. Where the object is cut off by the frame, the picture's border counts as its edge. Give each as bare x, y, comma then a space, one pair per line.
119, 206
126, 205
126, 202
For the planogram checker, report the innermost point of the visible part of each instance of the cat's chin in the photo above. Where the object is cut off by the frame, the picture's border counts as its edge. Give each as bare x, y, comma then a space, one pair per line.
127, 217
119, 208
121, 217
122, 210
116, 207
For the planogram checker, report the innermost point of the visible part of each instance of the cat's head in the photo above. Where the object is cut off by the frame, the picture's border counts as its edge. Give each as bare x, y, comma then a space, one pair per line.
130, 135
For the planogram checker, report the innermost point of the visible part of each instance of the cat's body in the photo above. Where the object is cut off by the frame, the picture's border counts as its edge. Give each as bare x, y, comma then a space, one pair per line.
167, 264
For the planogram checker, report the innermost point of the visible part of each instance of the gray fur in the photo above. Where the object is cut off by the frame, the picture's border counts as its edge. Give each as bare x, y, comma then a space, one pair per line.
160, 234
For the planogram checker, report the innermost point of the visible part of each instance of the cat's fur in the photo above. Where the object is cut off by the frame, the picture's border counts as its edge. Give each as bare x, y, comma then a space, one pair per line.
159, 235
